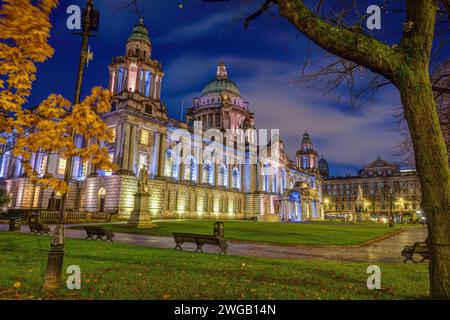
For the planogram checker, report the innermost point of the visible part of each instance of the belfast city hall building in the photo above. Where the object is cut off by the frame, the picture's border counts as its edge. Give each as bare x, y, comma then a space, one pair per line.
246, 182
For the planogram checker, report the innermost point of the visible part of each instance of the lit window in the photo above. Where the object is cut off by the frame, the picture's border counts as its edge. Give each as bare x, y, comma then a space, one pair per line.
190, 170
208, 176
143, 160
236, 181
145, 136
222, 176
171, 167
62, 165
43, 166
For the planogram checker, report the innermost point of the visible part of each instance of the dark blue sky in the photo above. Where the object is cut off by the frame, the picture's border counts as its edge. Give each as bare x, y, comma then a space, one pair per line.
263, 60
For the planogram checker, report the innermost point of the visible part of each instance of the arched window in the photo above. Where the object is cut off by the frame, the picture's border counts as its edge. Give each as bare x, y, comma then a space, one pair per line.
208, 172
120, 77
236, 179
190, 172
222, 176
171, 167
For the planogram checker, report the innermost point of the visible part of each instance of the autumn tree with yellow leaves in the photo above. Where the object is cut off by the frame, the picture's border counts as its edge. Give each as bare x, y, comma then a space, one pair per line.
49, 127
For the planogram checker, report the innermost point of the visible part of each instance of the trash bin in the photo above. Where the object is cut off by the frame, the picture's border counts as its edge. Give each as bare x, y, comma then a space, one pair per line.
15, 224
219, 229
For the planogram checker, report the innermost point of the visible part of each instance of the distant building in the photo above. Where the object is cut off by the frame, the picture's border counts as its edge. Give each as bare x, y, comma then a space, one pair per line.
383, 185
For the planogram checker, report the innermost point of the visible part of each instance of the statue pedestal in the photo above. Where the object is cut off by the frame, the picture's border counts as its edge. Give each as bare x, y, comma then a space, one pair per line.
141, 217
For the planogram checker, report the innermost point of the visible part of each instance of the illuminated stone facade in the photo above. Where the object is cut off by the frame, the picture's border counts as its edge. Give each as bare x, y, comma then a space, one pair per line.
267, 190
384, 186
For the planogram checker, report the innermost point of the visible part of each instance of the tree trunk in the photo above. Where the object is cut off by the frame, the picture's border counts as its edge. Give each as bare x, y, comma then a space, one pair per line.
432, 163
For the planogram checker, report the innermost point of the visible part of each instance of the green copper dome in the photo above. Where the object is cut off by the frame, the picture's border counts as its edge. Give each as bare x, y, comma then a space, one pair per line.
221, 82
219, 85
140, 33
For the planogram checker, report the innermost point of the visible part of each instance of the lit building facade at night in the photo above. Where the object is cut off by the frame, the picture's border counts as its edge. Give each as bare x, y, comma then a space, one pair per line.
266, 189
385, 188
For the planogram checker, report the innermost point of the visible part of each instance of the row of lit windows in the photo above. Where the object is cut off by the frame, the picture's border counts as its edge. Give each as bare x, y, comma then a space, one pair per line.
190, 172
144, 137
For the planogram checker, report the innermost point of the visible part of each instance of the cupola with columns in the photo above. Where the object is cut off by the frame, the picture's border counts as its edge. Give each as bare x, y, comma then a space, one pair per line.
135, 79
307, 157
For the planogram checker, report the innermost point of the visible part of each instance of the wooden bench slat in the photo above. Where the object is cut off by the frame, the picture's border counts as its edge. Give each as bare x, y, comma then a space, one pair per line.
200, 240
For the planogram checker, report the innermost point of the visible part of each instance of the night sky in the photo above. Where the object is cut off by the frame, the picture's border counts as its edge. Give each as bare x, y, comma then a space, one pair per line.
264, 60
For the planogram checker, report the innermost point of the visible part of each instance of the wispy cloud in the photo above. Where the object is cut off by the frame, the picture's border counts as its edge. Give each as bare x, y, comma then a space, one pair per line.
198, 29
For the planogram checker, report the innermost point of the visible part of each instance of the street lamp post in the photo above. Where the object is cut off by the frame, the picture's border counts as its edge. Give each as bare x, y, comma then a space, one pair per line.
56, 253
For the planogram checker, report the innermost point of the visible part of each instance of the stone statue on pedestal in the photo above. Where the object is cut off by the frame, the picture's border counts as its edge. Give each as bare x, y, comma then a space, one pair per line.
141, 216
143, 180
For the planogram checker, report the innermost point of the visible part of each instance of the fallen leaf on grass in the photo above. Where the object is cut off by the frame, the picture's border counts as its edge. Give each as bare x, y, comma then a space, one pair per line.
17, 284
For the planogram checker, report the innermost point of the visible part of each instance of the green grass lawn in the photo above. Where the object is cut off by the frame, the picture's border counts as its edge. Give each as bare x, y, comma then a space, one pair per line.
118, 271
325, 233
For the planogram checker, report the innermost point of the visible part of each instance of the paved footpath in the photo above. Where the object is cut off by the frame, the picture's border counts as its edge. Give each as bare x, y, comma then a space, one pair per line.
385, 250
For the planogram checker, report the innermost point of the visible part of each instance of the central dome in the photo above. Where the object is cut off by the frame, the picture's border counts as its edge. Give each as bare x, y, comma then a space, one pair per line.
221, 83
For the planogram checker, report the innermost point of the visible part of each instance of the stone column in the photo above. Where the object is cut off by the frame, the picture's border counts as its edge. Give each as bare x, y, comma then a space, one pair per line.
126, 147
155, 155
216, 174
111, 79
229, 175
200, 172
138, 79
270, 179
261, 177
159, 88
181, 171
119, 143
132, 157
127, 86
154, 85
162, 154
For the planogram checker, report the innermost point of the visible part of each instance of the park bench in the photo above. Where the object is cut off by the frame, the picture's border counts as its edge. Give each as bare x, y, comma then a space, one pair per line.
39, 228
200, 240
419, 248
99, 233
